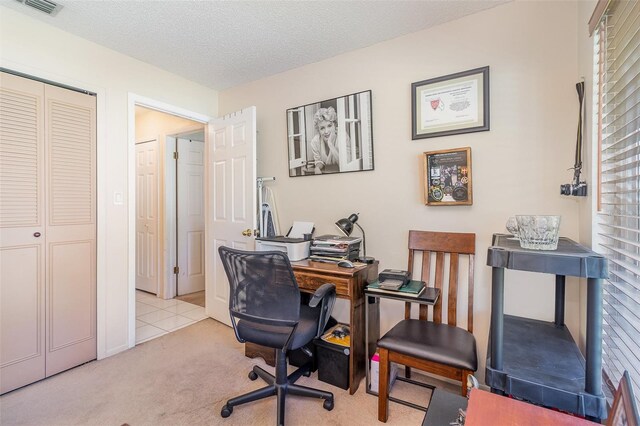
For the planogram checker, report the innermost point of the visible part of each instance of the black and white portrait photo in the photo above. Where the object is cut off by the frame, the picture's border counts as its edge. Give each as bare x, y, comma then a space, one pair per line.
332, 136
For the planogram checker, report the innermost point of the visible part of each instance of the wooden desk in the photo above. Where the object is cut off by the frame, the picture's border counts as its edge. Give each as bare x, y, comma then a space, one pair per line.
490, 409
350, 284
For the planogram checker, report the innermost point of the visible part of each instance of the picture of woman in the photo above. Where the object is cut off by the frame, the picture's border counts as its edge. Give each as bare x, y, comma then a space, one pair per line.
331, 136
324, 145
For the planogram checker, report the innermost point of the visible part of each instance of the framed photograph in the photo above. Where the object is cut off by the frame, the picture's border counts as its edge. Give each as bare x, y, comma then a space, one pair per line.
450, 105
332, 136
624, 411
447, 177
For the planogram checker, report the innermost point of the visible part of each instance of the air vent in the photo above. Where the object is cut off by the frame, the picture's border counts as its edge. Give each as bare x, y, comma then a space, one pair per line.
46, 6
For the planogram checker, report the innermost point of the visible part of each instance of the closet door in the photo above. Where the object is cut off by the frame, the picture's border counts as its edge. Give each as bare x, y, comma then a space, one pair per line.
22, 228
70, 122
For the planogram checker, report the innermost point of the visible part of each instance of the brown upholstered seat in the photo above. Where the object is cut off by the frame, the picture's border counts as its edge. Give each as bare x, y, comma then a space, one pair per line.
436, 346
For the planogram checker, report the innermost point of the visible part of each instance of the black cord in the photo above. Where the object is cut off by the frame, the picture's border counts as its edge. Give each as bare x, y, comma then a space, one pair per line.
577, 167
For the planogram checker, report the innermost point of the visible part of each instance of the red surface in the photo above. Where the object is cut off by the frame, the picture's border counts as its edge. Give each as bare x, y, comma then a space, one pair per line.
486, 408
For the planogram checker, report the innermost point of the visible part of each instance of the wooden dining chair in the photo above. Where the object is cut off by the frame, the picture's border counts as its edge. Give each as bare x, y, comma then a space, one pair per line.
436, 346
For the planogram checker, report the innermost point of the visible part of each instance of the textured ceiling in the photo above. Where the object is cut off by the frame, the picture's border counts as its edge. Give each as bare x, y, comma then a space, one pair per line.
221, 44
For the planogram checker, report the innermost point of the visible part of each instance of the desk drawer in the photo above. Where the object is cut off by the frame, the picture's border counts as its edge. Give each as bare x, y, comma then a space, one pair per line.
311, 282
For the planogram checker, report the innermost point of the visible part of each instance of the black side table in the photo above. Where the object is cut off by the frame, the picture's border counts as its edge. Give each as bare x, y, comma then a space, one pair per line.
536, 360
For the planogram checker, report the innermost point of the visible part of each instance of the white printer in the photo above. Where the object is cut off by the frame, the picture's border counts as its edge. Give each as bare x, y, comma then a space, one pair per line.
294, 244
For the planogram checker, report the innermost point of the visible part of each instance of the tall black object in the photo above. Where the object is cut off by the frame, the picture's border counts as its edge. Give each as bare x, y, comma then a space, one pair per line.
345, 225
264, 303
536, 360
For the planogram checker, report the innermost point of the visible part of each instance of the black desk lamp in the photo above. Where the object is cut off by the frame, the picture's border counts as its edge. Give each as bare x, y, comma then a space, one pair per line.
345, 225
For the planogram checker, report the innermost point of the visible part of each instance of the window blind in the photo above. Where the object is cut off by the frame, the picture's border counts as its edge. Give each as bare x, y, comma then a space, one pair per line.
617, 118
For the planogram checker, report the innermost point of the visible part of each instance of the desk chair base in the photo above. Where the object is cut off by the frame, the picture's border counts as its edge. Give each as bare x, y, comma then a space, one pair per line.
279, 385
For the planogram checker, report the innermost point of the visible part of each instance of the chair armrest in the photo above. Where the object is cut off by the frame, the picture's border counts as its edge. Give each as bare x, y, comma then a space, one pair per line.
325, 296
323, 291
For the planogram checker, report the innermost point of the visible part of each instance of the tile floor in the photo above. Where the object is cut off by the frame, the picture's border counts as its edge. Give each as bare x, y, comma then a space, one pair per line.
155, 317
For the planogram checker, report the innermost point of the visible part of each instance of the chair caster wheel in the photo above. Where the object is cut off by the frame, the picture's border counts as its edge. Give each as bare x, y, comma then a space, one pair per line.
328, 404
226, 411
307, 373
252, 375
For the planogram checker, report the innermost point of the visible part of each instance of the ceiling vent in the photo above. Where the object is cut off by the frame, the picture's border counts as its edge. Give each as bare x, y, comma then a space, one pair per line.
46, 6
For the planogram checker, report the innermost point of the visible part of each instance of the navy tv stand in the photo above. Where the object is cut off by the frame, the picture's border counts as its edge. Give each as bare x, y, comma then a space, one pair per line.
539, 361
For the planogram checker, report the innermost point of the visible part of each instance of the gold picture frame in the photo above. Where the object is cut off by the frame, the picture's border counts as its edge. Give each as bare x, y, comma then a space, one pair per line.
447, 177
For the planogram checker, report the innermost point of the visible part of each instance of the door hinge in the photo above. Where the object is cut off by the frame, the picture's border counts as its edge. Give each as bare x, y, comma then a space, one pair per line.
175, 155
176, 270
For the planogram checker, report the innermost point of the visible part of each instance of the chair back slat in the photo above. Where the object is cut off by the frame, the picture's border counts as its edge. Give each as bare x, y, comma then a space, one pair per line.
447, 246
407, 305
470, 303
452, 302
439, 278
426, 274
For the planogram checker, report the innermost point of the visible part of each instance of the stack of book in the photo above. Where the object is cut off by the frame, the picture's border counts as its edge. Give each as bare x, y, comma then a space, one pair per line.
334, 248
410, 289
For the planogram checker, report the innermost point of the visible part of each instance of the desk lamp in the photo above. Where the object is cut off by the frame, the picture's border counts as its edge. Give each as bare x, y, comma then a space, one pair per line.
345, 225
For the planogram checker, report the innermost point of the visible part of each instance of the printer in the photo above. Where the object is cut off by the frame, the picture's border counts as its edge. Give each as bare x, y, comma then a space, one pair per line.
294, 244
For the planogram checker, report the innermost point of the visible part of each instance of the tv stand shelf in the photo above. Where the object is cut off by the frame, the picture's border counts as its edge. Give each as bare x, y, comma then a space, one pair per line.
539, 361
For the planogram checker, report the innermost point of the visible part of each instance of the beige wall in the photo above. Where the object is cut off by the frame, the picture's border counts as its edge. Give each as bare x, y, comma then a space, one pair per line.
29, 46
517, 166
152, 124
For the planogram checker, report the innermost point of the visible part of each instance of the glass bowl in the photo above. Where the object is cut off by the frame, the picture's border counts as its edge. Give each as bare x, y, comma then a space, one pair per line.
538, 232
512, 226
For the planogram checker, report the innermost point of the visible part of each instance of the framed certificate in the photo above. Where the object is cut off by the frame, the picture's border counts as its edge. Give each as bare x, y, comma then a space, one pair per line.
450, 105
447, 177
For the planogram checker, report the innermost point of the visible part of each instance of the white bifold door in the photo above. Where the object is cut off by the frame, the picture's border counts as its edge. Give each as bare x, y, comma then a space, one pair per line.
47, 230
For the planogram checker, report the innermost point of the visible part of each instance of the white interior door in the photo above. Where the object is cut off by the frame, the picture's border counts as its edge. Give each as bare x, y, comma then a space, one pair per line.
231, 199
190, 207
147, 216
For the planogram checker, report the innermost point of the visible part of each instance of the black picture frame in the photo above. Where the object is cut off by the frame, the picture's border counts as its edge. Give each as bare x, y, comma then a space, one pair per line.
331, 136
450, 105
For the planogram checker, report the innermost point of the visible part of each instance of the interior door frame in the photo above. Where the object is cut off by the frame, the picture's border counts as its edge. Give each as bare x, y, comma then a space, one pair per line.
133, 101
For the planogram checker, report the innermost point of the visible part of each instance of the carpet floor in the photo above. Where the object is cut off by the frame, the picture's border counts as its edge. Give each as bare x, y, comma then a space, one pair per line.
183, 378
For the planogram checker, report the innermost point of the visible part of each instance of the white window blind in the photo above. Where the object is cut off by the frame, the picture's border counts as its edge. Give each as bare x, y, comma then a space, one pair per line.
617, 118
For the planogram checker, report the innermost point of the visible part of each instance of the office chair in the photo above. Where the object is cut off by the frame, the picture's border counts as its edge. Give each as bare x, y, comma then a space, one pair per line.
265, 308
433, 346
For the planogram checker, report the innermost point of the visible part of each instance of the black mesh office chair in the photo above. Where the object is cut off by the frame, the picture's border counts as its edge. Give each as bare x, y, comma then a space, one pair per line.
265, 308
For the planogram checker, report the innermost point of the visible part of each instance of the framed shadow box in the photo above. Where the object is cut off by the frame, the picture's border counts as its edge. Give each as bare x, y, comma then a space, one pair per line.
447, 177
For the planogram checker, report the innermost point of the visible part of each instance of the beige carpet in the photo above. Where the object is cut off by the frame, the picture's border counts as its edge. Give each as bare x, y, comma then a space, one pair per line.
183, 378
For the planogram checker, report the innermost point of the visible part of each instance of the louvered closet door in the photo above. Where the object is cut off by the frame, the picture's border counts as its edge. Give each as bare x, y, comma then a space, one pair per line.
22, 257
70, 119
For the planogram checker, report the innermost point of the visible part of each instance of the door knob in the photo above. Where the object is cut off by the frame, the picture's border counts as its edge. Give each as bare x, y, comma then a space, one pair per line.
36, 234
247, 232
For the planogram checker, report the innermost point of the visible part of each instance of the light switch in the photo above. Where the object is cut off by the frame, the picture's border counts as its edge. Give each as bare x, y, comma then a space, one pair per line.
118, 198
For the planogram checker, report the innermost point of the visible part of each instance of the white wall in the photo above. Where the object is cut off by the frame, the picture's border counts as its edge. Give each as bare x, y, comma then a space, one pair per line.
29, 46
518, 166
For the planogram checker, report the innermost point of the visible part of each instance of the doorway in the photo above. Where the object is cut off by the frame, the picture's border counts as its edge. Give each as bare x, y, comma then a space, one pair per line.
169, 243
